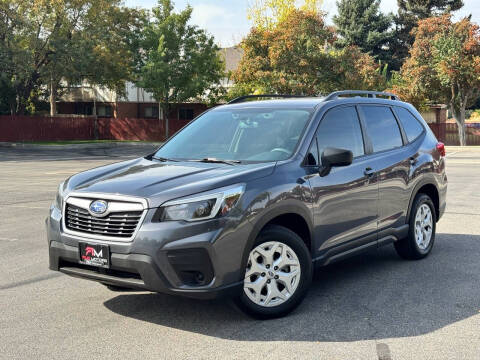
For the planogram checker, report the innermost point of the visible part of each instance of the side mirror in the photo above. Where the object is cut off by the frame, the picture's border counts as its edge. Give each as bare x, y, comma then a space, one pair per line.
335, 157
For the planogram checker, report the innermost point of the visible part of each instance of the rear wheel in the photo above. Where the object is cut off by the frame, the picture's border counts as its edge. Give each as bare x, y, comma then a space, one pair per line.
278, 274
421, 232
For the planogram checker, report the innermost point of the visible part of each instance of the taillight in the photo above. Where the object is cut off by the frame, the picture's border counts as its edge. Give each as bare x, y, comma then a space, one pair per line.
441, 148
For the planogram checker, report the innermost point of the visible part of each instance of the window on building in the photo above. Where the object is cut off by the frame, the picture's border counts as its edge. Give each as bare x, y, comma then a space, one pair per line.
104, 110
151, 112
83, 108
186, 114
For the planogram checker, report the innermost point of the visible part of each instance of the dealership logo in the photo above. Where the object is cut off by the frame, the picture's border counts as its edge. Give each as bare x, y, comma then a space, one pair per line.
98, 207
92, 252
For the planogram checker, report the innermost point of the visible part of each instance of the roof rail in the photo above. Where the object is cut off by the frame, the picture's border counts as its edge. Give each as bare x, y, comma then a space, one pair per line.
246, 97
372, 94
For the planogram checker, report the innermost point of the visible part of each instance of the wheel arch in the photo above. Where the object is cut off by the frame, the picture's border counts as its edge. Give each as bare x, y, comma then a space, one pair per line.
290, 215
429, 188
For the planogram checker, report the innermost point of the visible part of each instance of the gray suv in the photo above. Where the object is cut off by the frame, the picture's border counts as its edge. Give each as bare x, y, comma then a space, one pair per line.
250, 197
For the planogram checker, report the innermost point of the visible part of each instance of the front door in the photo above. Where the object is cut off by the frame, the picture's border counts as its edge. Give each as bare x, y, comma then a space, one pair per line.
345, 200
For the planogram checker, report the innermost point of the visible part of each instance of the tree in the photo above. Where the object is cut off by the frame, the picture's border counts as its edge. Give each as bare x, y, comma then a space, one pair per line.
360, 23
45, 43
179, 61
444, 66
297, 58
266, 14
409, 13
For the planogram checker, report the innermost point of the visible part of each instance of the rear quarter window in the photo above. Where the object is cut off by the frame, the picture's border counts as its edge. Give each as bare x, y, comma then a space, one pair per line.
382, 127
410, 124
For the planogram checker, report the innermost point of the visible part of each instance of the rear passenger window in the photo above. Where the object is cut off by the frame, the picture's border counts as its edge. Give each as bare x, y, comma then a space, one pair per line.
382, 127
410, 124
340, 128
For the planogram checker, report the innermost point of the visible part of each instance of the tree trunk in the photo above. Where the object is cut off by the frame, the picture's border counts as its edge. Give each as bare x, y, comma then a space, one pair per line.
165, 111
459, 115
53, 98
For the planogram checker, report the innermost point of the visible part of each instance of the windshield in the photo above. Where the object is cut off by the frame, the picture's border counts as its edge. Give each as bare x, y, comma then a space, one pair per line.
245, 135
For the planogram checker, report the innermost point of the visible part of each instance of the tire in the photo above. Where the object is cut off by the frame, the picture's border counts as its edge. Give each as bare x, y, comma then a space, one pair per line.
412, 247
289, 280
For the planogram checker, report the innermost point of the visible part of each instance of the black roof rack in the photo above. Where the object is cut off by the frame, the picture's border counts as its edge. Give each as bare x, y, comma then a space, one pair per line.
246, 97
372, 94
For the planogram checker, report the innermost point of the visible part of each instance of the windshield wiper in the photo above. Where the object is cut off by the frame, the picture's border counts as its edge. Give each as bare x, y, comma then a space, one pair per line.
220, 161
162, 159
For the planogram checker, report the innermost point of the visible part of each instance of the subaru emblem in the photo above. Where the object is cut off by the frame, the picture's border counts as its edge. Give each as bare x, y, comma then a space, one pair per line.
98, 207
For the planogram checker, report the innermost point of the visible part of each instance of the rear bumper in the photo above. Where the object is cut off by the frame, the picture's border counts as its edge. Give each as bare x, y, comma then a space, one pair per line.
135, 271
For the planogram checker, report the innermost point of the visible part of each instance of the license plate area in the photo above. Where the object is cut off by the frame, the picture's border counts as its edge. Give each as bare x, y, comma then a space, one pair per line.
94, 255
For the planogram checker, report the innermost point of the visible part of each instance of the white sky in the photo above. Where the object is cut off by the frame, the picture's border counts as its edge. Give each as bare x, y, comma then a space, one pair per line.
227, 19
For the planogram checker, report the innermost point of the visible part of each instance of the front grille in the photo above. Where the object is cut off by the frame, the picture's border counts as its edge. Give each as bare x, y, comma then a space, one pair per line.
117, 224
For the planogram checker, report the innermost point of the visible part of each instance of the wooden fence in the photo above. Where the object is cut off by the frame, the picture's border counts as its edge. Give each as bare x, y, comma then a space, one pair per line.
37, 128
448, 133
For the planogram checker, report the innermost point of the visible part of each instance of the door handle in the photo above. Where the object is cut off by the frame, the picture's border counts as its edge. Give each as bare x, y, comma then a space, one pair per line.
369, 172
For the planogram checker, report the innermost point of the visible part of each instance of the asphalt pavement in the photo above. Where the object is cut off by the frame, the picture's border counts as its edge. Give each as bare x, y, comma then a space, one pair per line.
374, 306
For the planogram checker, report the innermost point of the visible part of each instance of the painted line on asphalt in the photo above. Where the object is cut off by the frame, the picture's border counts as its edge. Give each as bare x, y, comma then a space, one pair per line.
8, 239
31, 281
455, 152
18, 203
27, 207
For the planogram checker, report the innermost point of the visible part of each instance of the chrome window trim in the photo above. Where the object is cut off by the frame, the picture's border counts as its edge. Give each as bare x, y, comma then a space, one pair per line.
102, 196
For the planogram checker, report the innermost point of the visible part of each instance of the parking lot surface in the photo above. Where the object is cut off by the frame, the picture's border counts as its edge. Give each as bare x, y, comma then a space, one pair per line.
374, 306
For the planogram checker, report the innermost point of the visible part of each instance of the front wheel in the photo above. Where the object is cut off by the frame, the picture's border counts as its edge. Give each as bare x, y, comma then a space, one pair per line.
421, 232
278, 274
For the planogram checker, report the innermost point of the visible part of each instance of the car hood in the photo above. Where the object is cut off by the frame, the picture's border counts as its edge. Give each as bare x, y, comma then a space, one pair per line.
162, 181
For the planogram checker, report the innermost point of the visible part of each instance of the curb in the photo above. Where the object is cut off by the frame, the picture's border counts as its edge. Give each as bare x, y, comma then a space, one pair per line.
20, 145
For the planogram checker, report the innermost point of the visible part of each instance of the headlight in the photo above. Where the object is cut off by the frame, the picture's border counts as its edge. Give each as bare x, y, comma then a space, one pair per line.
59, 197
202, 206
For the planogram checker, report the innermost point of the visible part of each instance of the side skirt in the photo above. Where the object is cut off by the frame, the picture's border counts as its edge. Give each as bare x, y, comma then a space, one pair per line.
361, 245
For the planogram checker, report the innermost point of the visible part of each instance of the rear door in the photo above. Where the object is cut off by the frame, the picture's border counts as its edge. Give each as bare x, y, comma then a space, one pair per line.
391, 160
345, 200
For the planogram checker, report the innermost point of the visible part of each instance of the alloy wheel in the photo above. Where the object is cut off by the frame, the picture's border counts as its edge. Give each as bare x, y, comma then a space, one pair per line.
423, 226
272, 275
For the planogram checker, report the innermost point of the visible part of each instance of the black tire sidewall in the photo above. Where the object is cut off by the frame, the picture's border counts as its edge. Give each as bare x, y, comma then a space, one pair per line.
291, 239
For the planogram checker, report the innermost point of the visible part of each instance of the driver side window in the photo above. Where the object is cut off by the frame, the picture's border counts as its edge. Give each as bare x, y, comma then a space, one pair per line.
340, 128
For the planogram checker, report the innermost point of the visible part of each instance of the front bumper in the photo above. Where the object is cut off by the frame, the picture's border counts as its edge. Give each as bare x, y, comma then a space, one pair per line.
200, 260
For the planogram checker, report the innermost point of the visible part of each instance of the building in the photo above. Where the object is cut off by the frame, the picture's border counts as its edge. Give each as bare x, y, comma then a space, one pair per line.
89, 100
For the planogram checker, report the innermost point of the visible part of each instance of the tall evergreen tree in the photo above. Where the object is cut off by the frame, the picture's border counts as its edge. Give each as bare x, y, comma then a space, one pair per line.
361, 23
409, 13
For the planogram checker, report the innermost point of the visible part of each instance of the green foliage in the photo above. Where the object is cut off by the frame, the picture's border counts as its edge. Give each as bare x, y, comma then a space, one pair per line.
46, 42
267, 14
409, 13
444, 66
179, 61
360, 23
297, 58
